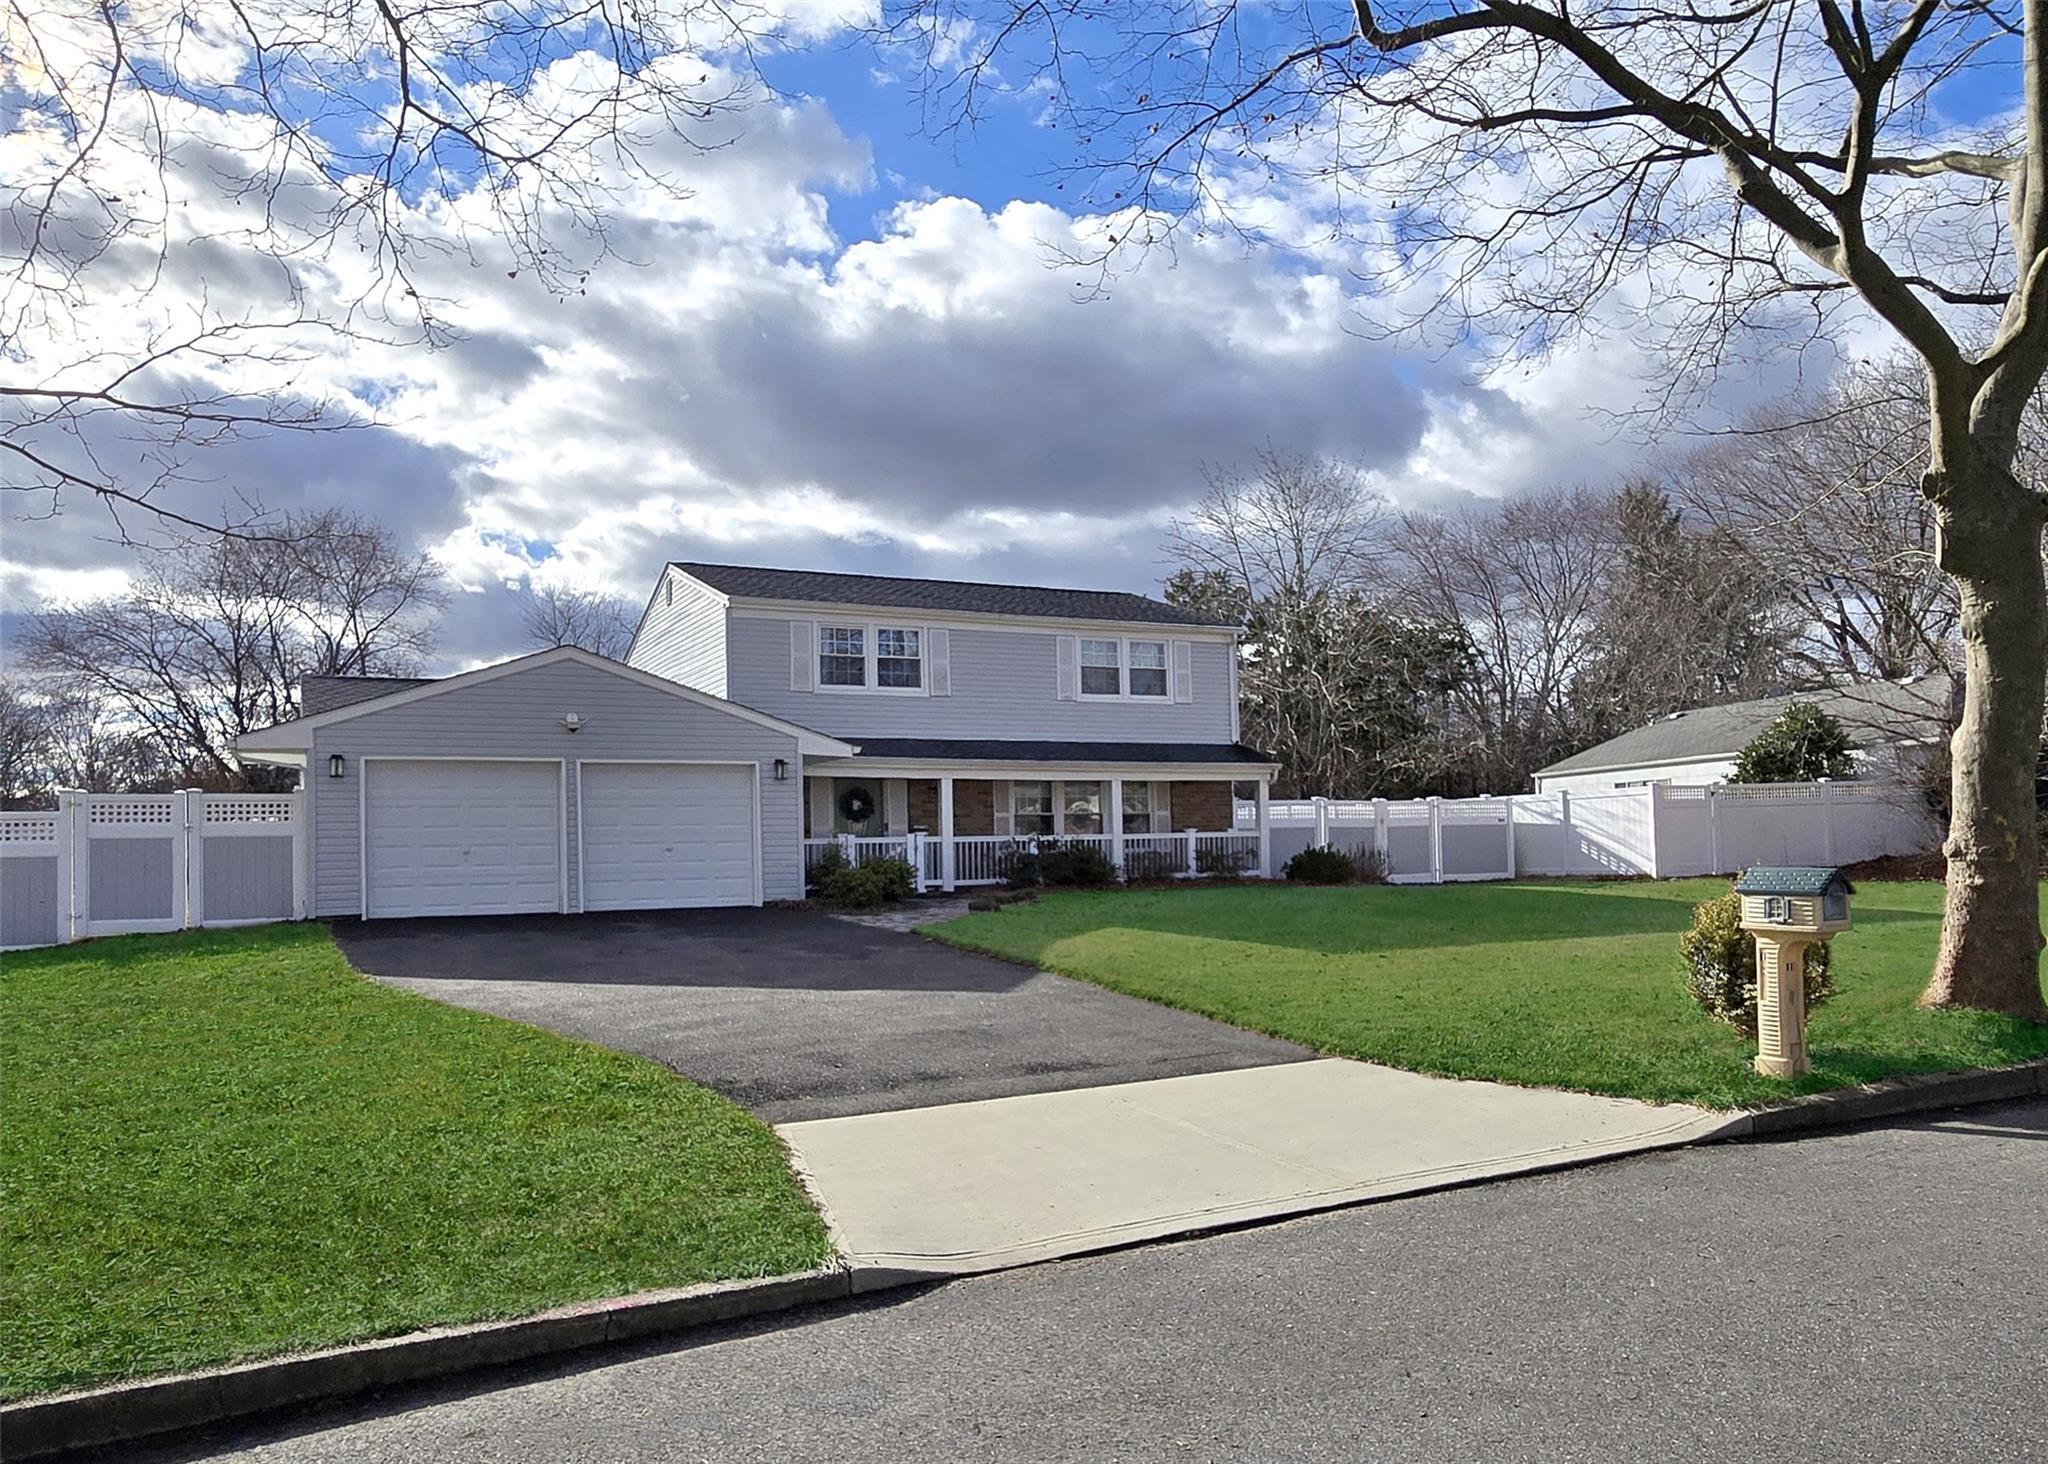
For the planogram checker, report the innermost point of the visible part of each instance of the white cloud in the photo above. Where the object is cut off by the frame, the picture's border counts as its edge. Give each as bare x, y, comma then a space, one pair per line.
740, 383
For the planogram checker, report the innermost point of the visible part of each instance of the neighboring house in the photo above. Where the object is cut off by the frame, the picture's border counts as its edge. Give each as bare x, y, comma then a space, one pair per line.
1892, 724
763, 715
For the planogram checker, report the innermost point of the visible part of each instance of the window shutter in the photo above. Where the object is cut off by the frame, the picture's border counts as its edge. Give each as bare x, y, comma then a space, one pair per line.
1067, 665
895, 806
938, 654
1004, 823
803, 655
1183, 672
1162, 808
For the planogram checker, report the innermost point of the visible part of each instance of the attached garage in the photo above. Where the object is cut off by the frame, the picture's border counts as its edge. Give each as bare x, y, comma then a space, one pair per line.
668, 836
455, 836
559, 782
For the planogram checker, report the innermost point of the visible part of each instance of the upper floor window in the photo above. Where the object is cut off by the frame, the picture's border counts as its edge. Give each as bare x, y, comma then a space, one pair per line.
1124, 668
899, 661
1148, 668
842, 655
1102, 668
870, 658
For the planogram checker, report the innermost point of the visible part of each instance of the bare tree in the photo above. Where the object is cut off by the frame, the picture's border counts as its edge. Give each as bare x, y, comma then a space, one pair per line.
1823, 499
1291, 527
201, 198
556, 615
1684, 622
1338, 685
1708, 177
206, 645
1528, 581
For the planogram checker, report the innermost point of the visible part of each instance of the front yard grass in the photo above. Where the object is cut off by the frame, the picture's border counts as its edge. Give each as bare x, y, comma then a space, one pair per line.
1567, 985
226, 1144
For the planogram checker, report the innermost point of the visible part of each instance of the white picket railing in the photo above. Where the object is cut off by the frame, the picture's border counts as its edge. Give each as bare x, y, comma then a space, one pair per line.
120, 863
979, 859
1656, 830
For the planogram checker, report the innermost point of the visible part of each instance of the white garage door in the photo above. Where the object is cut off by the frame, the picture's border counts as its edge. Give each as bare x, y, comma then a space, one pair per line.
462, 838
662, 836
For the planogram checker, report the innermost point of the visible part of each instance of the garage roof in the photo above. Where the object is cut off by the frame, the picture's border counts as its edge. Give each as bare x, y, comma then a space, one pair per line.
1873, 714
295, 736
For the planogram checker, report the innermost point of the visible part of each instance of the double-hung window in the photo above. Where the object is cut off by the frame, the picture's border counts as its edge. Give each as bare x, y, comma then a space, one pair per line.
842, 655
870, 658
1138, 810
899, 662
1148, 669
1102, 668
1031, 808
1133, 669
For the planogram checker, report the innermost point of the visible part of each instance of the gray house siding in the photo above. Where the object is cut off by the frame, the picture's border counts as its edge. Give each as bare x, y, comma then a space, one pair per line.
1003, 685
519, 715
683, 640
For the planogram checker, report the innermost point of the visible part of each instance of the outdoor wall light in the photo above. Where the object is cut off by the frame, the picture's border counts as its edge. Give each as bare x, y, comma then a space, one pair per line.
572, 723
782, 770
334, 765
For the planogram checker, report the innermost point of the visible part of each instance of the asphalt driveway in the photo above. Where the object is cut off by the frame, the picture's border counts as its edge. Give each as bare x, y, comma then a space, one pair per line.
798, 1015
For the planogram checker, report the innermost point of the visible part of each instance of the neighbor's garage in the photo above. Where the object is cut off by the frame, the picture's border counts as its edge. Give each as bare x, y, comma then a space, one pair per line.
668, 836
560, 782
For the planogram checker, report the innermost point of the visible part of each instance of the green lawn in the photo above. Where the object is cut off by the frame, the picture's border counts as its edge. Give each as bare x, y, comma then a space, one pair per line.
227, 1144
1556, 984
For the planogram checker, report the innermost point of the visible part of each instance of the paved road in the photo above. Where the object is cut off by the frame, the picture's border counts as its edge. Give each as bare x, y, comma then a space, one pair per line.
798, 1015
1876, 1295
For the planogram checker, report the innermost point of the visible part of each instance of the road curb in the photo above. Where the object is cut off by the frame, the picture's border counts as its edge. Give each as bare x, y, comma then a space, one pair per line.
125, 1412
1916, 1093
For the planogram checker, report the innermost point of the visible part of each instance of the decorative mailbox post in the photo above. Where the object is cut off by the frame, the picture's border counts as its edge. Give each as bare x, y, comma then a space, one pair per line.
1787, 909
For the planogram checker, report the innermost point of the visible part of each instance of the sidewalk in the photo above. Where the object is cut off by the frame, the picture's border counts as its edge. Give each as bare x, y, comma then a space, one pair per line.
980, 1186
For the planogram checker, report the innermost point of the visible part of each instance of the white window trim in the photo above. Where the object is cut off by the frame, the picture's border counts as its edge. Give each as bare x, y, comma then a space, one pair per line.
1123, 693
870, 643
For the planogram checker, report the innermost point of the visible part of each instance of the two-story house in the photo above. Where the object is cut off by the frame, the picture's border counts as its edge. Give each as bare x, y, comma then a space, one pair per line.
981, 712
761, 716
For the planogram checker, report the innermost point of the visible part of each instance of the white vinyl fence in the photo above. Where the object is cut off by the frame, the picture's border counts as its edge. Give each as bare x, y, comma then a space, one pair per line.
116, 863
1661, 831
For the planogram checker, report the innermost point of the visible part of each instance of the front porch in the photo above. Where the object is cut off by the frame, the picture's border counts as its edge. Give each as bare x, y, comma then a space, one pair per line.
954, 829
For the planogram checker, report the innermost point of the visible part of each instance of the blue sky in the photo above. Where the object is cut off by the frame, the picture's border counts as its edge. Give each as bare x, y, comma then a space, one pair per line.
849, 351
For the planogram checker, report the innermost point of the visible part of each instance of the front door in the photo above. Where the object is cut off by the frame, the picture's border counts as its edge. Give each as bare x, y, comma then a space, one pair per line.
857, 807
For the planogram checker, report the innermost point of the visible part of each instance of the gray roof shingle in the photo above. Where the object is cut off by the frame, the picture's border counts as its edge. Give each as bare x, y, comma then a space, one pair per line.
319, 694
824, 587
1874, 713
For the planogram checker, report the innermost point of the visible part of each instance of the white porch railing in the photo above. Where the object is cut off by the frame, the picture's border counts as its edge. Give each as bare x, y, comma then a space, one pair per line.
979, 859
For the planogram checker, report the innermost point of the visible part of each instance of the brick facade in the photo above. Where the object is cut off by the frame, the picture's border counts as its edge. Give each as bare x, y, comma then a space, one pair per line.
1207, 806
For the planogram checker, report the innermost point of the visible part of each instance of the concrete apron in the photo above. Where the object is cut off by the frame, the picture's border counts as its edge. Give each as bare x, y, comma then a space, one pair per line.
971, 1187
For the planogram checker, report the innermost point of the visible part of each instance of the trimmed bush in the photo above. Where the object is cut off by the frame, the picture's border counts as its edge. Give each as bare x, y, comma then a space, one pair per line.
1067, 866
1076, 866
1224, 863
869, 885
1321, 864
1720, 965
1146, 865
1369, 864
1019, 867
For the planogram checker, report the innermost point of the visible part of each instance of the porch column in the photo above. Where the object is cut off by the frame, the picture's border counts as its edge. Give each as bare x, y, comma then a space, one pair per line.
1113, 820
1265, 840
948, 872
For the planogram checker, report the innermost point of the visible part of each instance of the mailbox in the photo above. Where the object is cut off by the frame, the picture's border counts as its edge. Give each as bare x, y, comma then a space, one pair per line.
1787, 909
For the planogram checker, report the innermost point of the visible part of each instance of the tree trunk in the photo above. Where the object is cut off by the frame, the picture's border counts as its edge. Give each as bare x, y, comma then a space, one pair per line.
1991, 927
